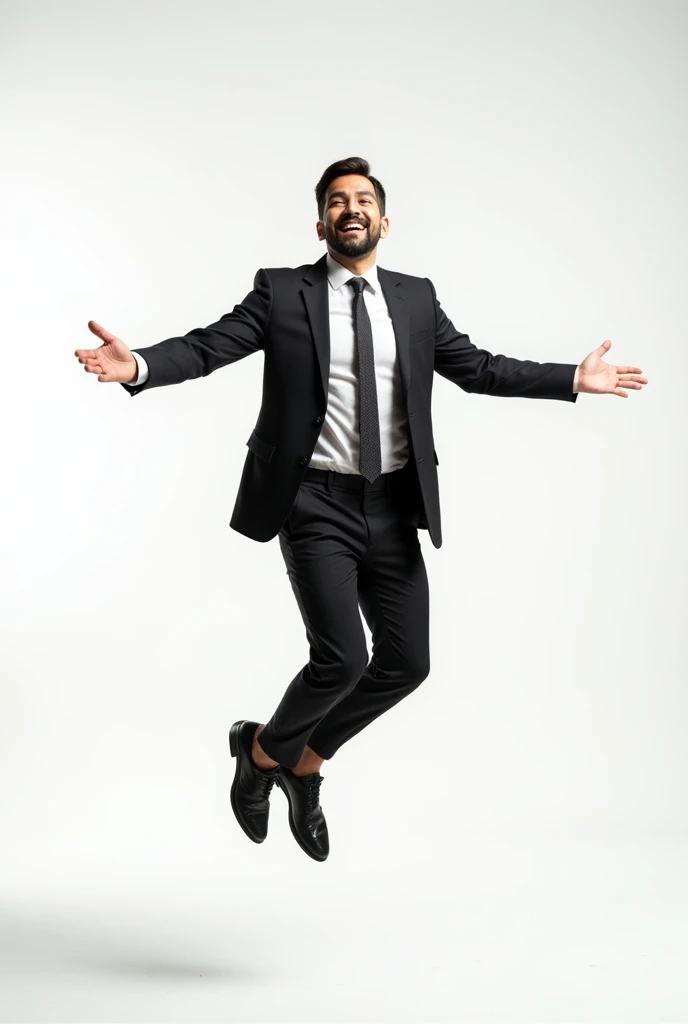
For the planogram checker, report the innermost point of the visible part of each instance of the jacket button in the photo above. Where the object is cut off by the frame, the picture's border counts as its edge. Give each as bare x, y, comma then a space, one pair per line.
303, 461
320, 419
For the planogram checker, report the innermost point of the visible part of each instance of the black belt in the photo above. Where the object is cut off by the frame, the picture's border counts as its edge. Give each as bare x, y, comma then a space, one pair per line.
355, 481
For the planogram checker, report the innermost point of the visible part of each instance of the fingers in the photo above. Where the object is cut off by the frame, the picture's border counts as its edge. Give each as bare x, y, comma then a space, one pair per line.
100, 331
85, 355
89, 357
105, 376
628, 376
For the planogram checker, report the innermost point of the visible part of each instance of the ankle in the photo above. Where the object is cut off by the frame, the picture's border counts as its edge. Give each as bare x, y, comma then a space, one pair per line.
261, 759
258, 755
309, 764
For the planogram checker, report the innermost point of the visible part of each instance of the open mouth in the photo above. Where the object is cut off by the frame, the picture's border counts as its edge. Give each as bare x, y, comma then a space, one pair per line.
352, 229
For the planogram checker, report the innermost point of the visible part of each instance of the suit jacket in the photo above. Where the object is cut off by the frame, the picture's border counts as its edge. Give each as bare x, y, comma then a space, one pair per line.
286, 315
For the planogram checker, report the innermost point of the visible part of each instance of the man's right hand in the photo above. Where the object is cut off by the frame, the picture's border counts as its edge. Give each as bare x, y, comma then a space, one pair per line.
112, 361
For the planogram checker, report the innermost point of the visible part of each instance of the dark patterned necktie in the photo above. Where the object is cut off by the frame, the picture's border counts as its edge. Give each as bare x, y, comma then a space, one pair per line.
370, 459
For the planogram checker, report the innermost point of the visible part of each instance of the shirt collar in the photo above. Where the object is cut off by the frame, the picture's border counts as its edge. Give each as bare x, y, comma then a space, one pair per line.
338, 274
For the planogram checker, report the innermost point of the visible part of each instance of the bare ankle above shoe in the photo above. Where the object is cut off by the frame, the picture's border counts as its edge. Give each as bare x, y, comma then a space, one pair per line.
258, 755
309, 763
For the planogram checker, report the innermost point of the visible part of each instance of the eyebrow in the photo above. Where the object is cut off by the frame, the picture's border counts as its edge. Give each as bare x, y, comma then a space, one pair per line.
360, 192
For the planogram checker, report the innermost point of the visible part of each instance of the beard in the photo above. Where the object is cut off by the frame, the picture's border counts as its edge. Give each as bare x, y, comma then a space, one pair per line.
354, 244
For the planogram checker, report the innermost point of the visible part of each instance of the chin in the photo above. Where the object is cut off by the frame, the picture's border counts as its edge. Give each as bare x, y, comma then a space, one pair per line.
352, 248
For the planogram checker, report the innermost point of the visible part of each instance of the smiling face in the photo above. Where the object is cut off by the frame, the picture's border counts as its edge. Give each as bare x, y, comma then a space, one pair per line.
352, 224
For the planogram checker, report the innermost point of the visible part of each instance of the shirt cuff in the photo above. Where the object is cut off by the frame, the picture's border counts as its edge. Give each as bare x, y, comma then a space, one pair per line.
575, 380
143, 370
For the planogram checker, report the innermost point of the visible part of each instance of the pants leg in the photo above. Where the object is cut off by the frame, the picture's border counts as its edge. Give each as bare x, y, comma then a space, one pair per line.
393, 594
321, 543
341, 546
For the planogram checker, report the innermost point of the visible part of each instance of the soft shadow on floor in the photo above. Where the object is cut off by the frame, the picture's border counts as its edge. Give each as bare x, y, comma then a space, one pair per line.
34, 941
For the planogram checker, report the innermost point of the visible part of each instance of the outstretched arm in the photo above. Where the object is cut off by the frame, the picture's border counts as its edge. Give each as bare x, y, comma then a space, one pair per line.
480, 372
205, 349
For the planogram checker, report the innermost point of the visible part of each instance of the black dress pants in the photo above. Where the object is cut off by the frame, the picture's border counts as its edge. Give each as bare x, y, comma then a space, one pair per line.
348, 542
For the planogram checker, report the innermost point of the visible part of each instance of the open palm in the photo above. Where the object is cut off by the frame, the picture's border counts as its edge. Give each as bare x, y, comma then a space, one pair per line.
599, 378
112, 361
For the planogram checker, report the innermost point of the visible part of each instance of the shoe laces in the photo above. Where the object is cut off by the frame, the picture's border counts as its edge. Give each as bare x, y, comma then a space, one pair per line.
313, 791
266, 782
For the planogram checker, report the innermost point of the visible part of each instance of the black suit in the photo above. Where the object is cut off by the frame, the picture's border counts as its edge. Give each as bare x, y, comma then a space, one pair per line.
286, 315
345, 541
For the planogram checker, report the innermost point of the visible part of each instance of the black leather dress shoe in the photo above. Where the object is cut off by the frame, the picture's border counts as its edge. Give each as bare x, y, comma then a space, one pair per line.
306, 818
250, 793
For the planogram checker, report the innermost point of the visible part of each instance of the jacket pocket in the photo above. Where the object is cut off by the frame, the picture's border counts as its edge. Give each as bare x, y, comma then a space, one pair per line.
260, 446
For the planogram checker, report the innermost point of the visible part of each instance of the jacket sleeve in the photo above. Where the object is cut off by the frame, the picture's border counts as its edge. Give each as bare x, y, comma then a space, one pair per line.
205, 349
479, 372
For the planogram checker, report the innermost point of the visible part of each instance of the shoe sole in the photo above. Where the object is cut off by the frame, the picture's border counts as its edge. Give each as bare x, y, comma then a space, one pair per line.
295, 834
234, 751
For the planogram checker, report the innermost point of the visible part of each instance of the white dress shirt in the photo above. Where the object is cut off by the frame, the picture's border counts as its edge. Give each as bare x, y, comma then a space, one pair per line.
338, 446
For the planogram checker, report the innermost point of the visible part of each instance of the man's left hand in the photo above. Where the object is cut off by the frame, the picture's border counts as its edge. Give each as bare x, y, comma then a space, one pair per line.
595, 377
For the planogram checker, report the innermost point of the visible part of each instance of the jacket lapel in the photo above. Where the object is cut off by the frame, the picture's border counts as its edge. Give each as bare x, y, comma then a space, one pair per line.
316, 299
397, 304
318, 308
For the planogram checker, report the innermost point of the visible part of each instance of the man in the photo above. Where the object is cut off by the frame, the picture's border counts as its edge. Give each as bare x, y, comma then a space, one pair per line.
342, 468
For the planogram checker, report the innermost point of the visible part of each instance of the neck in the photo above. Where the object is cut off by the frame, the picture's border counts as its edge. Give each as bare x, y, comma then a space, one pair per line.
356, 264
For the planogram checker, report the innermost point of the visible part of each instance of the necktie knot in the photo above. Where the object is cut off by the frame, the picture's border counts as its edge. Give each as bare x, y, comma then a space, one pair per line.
357, 283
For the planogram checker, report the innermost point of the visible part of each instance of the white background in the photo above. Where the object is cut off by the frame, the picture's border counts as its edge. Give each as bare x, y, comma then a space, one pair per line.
510, 841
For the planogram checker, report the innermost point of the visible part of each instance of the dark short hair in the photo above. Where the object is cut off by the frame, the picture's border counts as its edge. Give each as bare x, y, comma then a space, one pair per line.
352, 165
